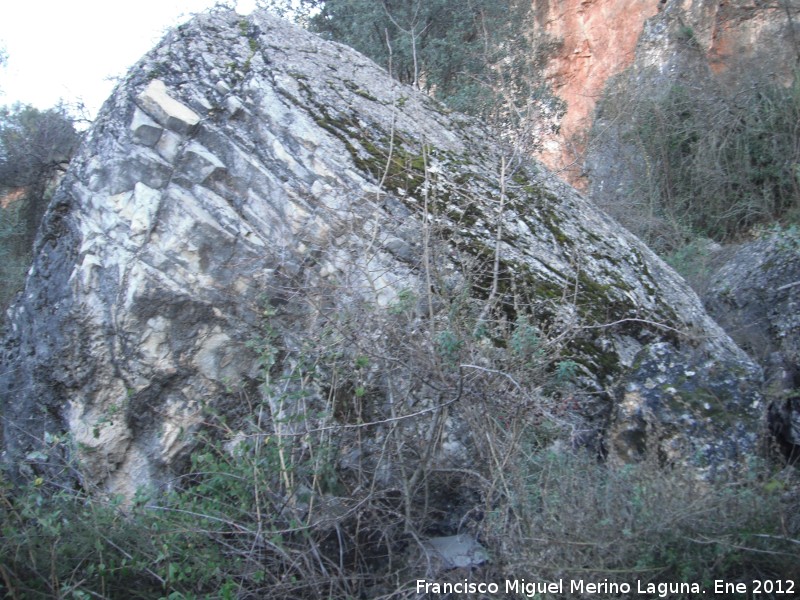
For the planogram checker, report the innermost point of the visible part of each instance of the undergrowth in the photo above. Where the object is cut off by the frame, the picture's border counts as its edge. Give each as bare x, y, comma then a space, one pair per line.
229, 532
705, 161
331, 484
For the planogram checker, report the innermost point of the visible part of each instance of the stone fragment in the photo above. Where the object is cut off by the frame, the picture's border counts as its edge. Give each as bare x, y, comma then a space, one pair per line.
145, 130
156, 101
169, 145
198, 163
456, 551
233, 106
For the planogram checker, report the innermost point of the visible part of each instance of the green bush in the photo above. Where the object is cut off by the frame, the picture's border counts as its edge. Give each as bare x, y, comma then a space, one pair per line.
576, 518
59, 543
706, 160
34, 146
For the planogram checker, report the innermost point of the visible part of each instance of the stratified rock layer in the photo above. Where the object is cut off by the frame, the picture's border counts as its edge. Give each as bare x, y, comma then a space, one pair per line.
246, 161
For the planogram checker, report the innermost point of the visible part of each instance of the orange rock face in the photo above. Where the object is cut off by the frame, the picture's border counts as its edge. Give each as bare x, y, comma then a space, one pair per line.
598, 40
742, 33
12, 196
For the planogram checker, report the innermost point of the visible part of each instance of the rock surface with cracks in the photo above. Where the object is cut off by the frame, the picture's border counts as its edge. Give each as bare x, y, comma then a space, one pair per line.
246, 163
755, 295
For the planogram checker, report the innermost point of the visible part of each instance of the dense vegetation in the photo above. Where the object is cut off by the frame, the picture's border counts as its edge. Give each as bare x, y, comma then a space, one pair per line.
447, 48
341, 511
35, 146
704, 160
228, 533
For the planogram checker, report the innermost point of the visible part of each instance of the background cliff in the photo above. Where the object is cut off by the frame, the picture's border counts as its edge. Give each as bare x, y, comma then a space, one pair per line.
660, 43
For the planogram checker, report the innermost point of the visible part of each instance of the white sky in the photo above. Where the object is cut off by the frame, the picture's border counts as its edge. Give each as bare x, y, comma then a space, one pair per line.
67, 49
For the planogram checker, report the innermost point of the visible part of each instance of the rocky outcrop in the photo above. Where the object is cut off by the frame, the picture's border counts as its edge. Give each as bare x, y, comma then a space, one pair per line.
596, 41
730, 38
261, 222
755, 295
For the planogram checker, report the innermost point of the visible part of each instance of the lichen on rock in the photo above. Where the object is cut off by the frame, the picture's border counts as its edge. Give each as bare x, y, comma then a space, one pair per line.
754, 294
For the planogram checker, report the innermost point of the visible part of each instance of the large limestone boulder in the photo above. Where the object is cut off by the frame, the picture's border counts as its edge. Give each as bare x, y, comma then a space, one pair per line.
249, 181
755, 295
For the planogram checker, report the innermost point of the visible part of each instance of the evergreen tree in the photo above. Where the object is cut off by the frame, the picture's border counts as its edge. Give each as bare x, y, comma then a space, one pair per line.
474, 55
34, 145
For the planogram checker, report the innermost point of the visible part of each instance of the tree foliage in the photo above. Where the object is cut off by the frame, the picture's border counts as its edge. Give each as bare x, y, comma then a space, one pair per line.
477, 57
436, 45
34, 144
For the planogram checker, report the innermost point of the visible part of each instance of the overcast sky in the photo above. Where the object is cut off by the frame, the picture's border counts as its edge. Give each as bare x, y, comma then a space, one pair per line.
68, 49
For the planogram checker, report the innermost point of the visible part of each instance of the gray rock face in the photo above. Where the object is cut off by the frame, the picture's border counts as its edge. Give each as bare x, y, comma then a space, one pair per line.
686, 394
244, 162
755, 295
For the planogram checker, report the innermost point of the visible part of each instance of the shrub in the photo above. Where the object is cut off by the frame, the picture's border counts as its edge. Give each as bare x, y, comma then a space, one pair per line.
230, 528
34, 145
329, 482
576, 518
707, 161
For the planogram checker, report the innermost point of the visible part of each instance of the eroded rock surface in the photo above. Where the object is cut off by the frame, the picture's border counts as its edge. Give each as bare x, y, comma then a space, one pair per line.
755, 295
595, 40
247, 168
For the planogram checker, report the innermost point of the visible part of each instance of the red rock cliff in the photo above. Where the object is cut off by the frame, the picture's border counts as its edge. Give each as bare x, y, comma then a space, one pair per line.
600, 38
